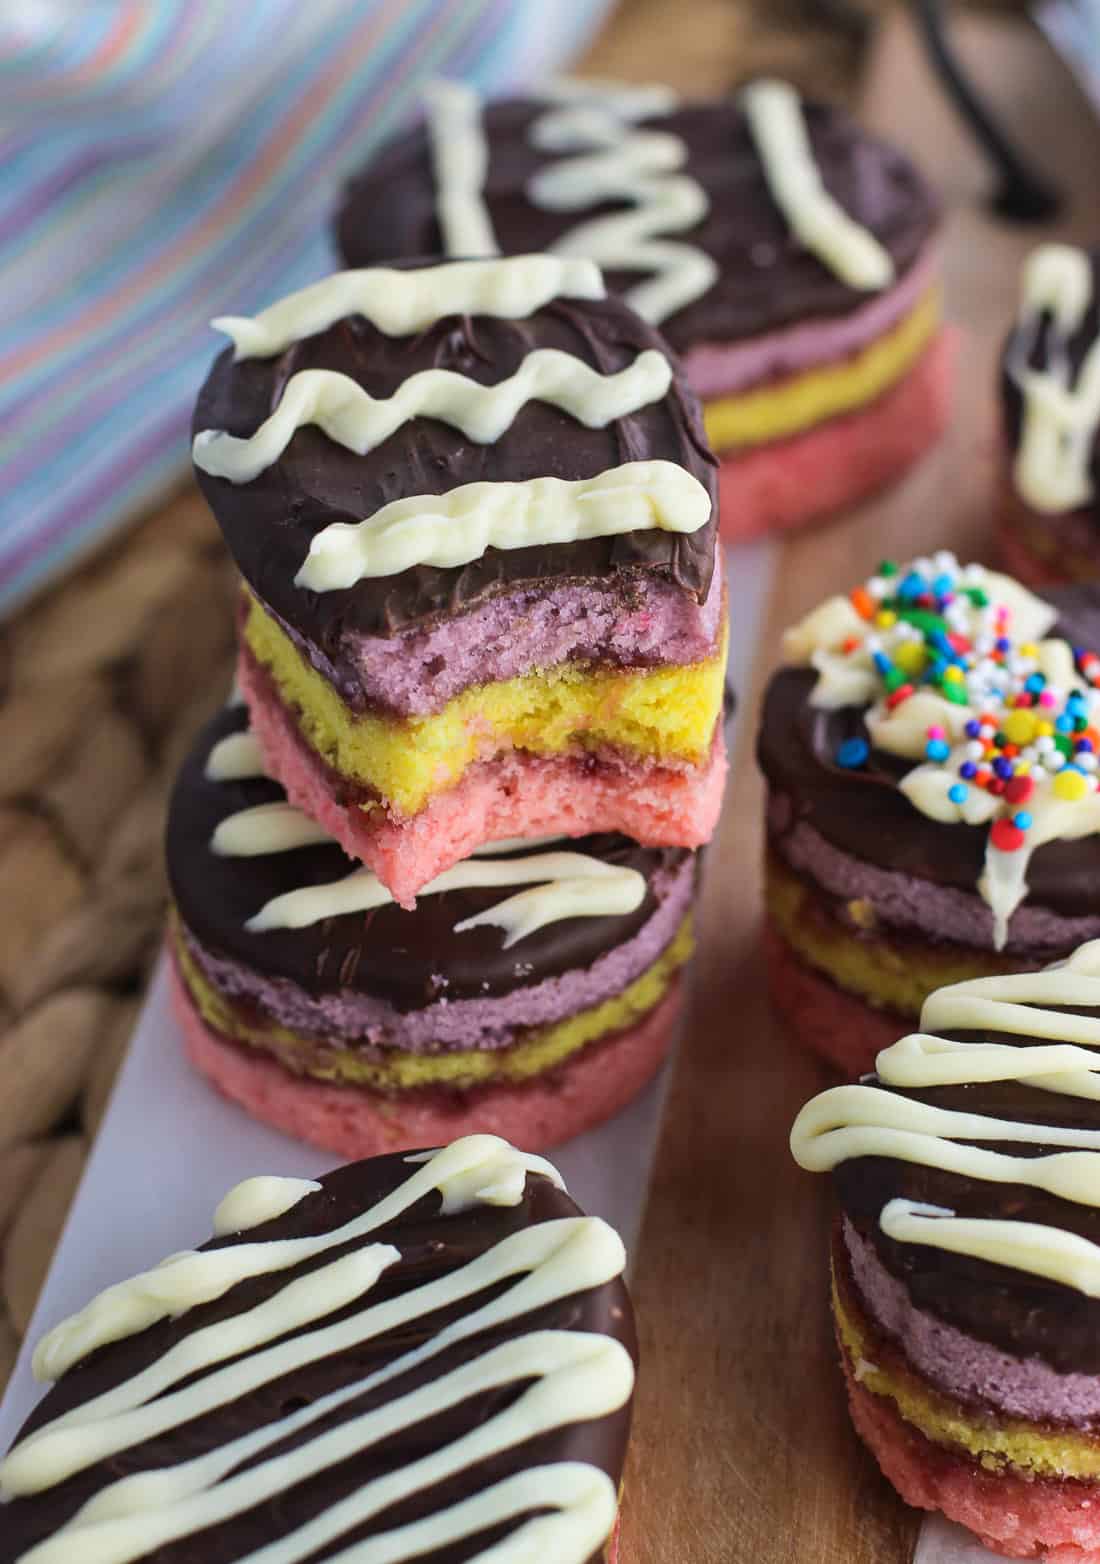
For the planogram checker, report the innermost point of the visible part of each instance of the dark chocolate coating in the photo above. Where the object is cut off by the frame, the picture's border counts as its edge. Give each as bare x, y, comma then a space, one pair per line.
1022, 1314
766, 279
864, 813
269, 523
431, 1245
388, 953
1035, 344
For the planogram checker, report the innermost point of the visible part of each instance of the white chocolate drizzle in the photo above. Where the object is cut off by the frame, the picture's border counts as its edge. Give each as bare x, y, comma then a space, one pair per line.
349, 415
616, 160
563, 884
847, 1122
449, 530
402, 303
266, 828
1061, 411
235, 758
773, 110
841, 645
460, 159
260, 1200
571, 1377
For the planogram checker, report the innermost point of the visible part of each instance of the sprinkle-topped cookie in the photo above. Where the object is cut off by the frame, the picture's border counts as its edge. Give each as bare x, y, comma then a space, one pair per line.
956, 670
931, 755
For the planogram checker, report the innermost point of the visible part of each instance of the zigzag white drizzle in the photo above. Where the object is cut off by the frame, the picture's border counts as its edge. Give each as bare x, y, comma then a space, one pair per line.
449, 530
353, 418
865, 1121
615, 160
1061, 411
577, 1377
402, 303
563, 884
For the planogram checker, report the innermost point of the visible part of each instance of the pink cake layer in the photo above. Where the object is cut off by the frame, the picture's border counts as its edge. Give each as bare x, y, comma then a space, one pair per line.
1036, 1518
353, 1122
969, 1370
808, 476
633, 621
838, 1026
724, 368
514, 794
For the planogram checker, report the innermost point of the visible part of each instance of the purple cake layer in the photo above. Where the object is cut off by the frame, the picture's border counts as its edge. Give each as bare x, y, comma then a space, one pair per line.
718, 369
958, 1364
909, 904
459, 1024
633, 622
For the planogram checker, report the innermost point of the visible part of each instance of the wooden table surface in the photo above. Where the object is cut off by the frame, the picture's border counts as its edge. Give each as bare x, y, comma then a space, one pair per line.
743, 1450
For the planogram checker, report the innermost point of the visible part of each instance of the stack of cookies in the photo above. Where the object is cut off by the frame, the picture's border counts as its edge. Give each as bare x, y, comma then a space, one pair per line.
436, 871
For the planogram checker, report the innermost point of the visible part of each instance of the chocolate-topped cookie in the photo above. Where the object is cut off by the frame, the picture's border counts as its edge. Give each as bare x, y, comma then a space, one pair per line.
966, 1260
931, 758
533, 990
787, 254
1050, 404
424, 1357
474, 511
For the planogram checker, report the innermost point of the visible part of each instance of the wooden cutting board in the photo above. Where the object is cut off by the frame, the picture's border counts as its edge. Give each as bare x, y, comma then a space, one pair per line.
743, 1449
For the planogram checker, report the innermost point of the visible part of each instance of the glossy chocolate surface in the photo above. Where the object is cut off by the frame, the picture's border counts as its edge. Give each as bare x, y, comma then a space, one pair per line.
864, 813
269, 523
766, 280
1020, 1313
431, 1245
388, 953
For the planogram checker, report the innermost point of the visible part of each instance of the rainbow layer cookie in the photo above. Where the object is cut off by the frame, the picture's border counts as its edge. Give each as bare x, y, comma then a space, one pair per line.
788, 256
1050, 401
473, 508
931, 759
533, 991
423, 1358
966, 1258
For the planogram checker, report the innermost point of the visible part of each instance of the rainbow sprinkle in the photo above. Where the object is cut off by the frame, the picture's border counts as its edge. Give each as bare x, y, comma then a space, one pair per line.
935, 627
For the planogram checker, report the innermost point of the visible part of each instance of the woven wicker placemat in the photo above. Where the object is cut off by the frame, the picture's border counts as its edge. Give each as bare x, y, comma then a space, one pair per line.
104, 683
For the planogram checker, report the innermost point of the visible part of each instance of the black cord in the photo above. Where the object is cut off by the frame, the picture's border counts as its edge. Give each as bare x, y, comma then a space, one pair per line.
1023, 195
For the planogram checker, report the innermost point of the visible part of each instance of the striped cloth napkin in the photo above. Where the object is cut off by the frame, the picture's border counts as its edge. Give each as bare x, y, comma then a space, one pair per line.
163, 161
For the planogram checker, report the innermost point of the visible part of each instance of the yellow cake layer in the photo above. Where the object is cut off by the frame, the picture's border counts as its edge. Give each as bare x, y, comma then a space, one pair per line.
542, 1048
891, 976
773, 412
662, 714
1032, 1448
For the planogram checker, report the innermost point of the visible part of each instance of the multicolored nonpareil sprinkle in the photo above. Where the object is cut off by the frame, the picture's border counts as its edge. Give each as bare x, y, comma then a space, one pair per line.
921, 634
957, 672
